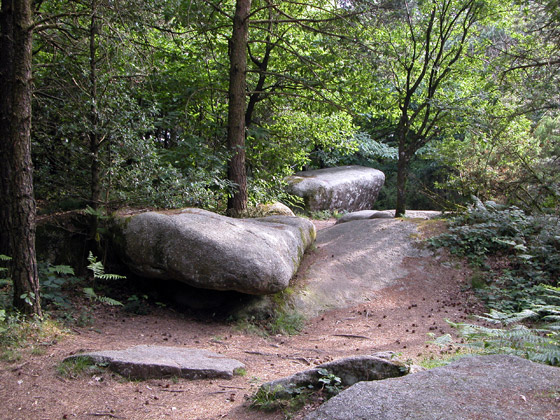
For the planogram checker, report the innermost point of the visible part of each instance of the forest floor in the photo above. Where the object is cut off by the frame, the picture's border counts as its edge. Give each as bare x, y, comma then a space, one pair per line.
399, 318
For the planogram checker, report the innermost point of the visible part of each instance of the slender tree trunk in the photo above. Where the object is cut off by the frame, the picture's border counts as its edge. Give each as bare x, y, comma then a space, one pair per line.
237, 172
402, 177
23, 211
94, 134
6, 77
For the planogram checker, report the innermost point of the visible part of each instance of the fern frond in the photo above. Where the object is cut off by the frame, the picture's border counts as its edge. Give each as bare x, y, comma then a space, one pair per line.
99, 271
90, 293
62, 269
497, 317
108, 301
109, 276
95, 266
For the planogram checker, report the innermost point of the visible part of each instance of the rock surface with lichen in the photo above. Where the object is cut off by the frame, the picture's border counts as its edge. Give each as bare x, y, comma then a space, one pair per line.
482, 387
349, 188
211, 251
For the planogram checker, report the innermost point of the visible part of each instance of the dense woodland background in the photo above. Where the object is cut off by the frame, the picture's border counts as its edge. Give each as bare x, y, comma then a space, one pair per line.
173, 103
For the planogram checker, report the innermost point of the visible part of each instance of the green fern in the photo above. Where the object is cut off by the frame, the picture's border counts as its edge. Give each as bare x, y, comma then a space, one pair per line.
4, 258
99, 273
537, 344
90, 294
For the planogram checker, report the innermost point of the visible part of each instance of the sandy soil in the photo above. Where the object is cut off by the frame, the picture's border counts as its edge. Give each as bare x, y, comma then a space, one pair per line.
397, 319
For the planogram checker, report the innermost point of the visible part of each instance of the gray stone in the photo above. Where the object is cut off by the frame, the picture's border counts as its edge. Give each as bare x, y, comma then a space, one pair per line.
274, 209
210, 251
484, 387
143, 362
348, 188
388, 214
363, 215
350, 370
354, 260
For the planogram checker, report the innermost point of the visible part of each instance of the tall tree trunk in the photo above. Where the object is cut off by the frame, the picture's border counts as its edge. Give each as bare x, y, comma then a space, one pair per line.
237, 172
6, 77
23, 211
94, 134
402, 177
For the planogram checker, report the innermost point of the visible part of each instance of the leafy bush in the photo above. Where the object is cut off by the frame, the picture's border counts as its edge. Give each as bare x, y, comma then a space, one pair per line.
54, 279
517, 256
514, 251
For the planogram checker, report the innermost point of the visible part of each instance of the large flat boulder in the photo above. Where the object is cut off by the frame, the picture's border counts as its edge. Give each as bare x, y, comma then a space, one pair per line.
145, 362
210, 251
349, 188
484, 387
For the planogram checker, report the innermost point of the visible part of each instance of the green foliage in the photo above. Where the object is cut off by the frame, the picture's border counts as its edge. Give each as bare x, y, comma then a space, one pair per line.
331, 383
523, 250
5, 284
540, 344
90, 294
498, 162
137, 305
270, 400
54, 281
518, 254
77, 367
18, 333
99, 273
292, 398
285, 322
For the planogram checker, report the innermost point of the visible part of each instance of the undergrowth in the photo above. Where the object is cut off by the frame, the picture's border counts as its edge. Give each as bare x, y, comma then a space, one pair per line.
79, 366
516, 262
57, 289
513, 252
291, 399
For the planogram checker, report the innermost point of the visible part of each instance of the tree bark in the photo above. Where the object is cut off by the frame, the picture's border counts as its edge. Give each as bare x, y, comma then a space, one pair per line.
402, 175
237, 172
6, 77
22, 223
94, 135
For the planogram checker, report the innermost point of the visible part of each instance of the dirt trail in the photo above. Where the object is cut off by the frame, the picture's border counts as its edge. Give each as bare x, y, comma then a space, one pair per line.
396, 318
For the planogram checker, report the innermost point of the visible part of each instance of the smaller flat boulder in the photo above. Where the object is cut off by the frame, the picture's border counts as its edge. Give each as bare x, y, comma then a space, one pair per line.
364, 215
350, 370
350, 188
388, 214
145, 362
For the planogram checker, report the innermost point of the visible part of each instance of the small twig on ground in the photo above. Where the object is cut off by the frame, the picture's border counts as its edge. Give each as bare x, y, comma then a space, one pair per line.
363, 337
113, 416
259, 353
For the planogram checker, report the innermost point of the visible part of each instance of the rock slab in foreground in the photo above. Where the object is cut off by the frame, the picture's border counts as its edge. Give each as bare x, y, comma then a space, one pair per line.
350, 370
348, 188
144, 362
484, 387
210, 251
